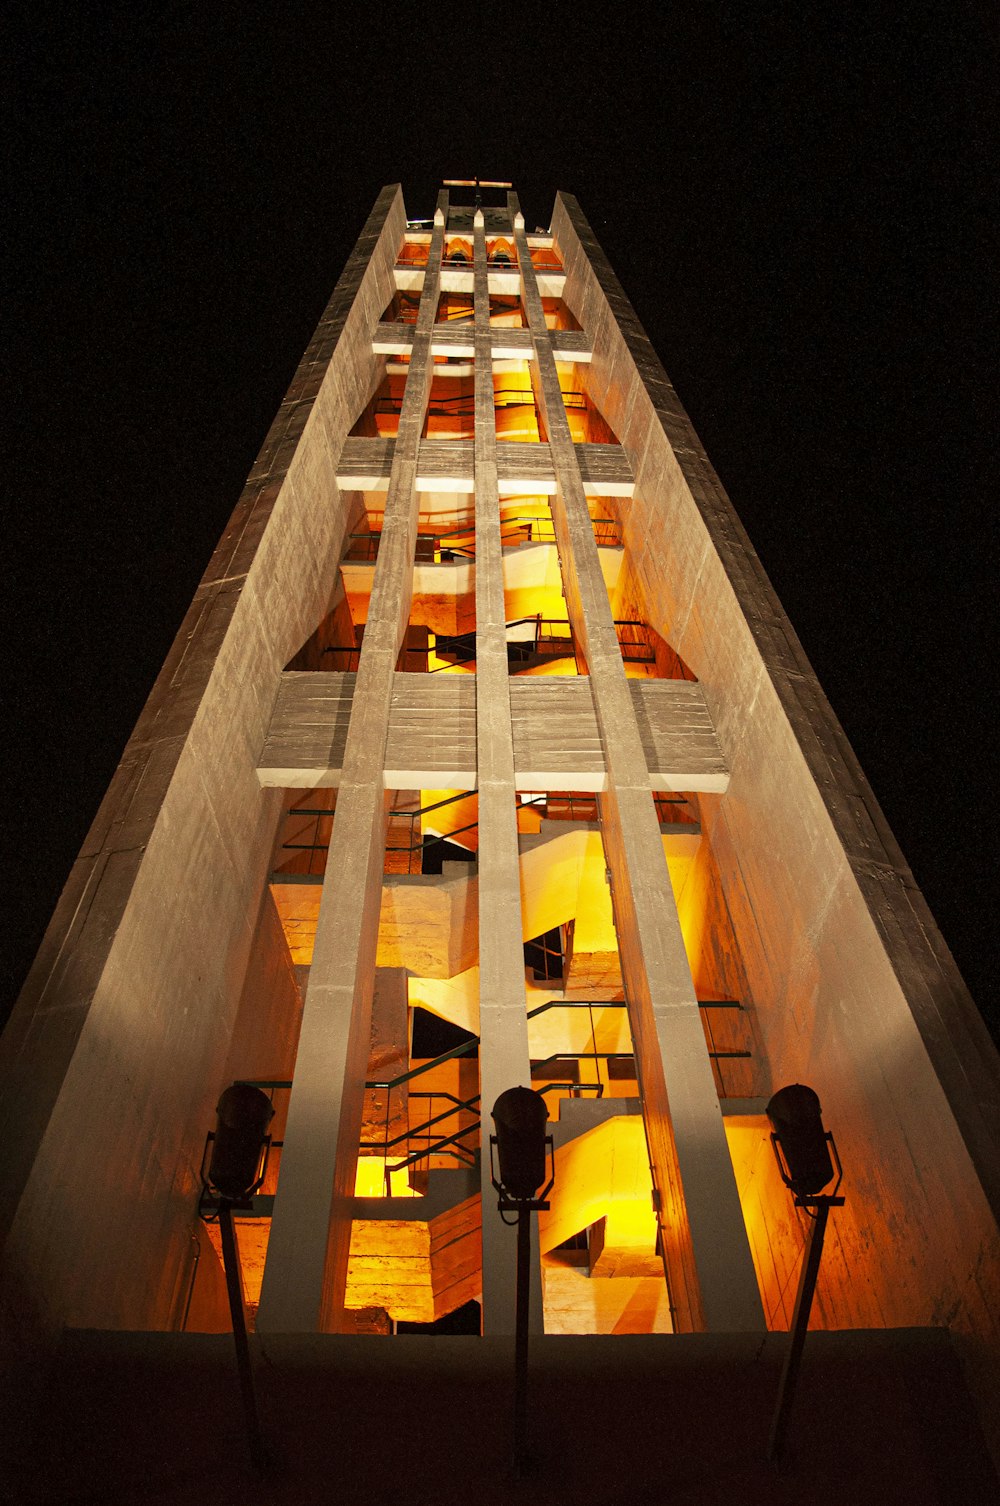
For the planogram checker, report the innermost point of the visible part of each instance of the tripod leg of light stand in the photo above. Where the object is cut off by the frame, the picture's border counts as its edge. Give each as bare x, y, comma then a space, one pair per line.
797, 1336
234, 1287
521, 1339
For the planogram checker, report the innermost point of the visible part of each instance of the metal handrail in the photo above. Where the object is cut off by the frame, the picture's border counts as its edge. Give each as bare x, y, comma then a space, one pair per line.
342, 648
364, 547
535, 801
516, 397
437, 1149
459, 1105
450, 1144
465, 263
465, 1049
620, 1004
590, 812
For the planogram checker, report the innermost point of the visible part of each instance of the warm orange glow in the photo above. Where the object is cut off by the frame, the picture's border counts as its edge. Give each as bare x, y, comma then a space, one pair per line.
604, 1174
586, 424
776, 1233
501, 250
370, 1179
558, 315
506, 311
454, 308
381, 416
455, 999
545, 259
450, 408
413, 253
455, 817
516, 417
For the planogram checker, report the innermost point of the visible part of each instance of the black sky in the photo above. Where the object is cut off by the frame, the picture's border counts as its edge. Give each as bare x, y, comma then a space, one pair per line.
800, 202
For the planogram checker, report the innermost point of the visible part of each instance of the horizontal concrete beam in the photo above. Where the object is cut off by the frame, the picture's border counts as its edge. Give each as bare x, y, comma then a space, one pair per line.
410, 279
431, 740
446, 465
456, 339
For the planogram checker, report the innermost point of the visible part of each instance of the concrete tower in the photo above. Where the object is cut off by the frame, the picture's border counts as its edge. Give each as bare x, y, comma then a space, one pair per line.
484, 756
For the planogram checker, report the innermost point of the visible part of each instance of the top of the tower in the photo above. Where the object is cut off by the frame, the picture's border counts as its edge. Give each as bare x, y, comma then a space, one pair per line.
461, 214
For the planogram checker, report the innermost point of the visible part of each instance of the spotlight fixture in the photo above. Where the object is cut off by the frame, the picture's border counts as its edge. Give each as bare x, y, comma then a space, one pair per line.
806, 1153
521, 1145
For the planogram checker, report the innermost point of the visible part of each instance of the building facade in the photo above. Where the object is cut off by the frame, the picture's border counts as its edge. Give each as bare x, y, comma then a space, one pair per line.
486, 755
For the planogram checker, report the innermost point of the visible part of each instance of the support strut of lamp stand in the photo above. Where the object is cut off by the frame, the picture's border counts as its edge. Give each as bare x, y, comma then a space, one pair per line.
240, 1148
805, 1153
526, 1156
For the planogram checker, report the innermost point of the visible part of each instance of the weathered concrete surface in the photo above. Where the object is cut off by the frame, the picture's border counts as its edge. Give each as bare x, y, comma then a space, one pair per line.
428, 923
458, 340
266, 1034
386, 1111
702, 1236
116, 1052
306, 1271
447, 465
432, 734
417, 1271
853, 986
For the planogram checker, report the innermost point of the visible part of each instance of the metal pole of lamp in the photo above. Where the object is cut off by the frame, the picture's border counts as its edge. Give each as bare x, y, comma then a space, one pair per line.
237, 1311
526, 1156
805, 1153
240, 1147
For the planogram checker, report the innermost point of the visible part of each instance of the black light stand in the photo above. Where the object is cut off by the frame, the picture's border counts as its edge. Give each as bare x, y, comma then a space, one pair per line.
237, 1311
802, 1149
240, 1148
522, 1148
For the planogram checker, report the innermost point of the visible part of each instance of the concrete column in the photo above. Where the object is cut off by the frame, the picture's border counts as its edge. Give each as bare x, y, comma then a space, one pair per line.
706, 1252
306, 1271
503, 1026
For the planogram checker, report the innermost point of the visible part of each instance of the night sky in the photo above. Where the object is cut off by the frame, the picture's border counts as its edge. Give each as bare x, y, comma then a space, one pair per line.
798, 200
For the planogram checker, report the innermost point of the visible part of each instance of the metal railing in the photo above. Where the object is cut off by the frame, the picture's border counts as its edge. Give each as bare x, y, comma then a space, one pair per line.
431, 1134
501, 306
463, 405
437, 1136
417, 844
348, 656
574, 1089
407, 306
551, 805
570, 805
545, 260
551, 638
443, 547
434, 1135
542, 260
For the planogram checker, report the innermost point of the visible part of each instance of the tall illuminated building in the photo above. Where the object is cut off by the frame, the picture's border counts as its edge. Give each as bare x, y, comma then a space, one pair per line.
486, 755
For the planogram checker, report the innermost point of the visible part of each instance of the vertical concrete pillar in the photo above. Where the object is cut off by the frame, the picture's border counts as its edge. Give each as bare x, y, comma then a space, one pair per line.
306, 1270
503, 1026
706, 1252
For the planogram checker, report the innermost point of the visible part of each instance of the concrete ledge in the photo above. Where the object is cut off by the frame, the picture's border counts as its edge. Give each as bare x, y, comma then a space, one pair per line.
447, 465
457, 340
431, 740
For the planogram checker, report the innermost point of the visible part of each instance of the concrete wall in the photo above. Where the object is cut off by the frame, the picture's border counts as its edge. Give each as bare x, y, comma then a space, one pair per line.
854, 989
122, 1039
